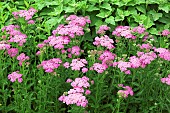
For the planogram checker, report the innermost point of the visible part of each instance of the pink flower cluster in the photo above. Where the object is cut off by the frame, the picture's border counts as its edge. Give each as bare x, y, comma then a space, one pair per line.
22, 57
145, 46
69, 30
165, 32
163, 53
25, 14
50, 65
57, 42
75, 50
124, 31
74, 27
4, 45
146, 58
103, 29
75, 95
140, 29
104, 41
125, 93
166, 80
15, 35
12, 52
78, 21
141, 60
15, 75
123, 66
77, 64
107, 57
100, 68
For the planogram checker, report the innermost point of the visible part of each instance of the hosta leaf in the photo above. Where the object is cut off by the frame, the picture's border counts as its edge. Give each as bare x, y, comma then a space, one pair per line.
110, 20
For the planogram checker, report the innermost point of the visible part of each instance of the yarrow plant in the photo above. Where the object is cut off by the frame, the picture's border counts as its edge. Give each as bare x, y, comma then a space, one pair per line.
126, 92
71, 51
76, 94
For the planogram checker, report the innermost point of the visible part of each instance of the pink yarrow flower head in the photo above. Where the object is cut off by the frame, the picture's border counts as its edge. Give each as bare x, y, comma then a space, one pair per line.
58, 42
69, 30
140, 29
78, 21
25, 14
14, 76
103, 29
66, 64
123, 66
22, 57
4, 45
76, 94
125, 93
100, 68
123, 31
12, 52
31, 22
166, 80
77, 64
75, 50
20, 39
50, 65
104, 41
163, 53
107, 57
165, 32
145, 46
135, 62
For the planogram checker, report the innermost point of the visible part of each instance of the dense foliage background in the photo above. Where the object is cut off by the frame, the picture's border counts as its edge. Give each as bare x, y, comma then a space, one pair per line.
40, 91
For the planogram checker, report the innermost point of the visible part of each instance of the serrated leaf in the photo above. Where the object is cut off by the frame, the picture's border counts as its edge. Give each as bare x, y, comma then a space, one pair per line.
107, 6
110, 20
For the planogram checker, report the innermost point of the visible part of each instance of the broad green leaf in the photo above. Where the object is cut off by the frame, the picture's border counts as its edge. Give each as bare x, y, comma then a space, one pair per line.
153, 31
165, 7
103, 13
118, 18
148, 23
141, 8
127, 13
107, 6
155, 15
132, 10
139, 18
69, 9
110, 20
92, 8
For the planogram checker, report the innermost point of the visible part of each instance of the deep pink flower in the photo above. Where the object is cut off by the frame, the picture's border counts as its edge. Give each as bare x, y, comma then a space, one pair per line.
15, 75
12, 52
